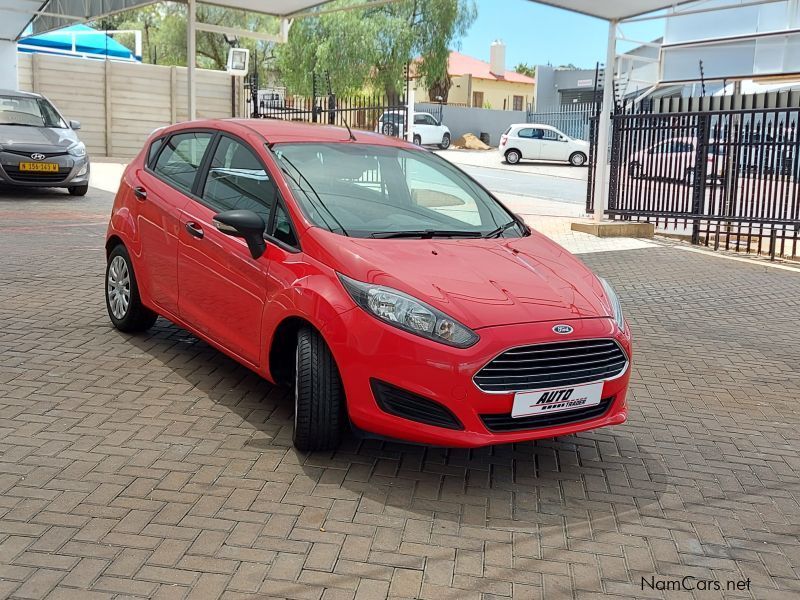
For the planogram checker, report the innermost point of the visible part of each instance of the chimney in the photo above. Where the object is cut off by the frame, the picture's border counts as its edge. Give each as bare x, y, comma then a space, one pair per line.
497, 58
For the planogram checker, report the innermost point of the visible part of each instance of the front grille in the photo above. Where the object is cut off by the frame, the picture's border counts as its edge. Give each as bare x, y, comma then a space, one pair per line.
505, 422
552, 365
27, 153
404, 404
37, 177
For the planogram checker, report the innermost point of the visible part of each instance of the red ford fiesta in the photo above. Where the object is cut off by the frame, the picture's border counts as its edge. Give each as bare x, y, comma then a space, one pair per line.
390, 290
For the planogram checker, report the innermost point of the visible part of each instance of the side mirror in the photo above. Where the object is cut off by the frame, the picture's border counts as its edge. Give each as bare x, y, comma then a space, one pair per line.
244, 224
563, 138
75, 125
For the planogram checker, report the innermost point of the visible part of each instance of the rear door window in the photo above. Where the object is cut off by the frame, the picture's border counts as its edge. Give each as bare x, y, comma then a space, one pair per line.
181, 157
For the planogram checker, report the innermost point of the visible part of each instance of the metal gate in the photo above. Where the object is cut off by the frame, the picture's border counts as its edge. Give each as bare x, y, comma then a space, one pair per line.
727, 179
373, 112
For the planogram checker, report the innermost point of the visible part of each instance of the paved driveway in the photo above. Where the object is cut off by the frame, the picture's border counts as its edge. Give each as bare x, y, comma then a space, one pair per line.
153, 466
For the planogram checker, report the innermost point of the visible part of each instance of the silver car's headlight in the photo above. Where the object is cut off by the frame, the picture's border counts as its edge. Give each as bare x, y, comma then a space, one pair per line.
77, 150
409, 314
616, 307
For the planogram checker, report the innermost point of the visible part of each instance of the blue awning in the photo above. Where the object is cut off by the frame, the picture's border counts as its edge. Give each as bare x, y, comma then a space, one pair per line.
79, 40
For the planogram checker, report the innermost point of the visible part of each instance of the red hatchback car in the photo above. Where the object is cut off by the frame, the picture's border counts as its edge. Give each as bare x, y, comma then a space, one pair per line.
389, 289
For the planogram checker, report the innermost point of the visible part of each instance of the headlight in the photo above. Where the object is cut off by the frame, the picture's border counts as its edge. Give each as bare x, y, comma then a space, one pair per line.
77, 150
409, 314
616, 307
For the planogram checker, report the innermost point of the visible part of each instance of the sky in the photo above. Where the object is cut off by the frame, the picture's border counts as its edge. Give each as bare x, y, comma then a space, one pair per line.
538, 34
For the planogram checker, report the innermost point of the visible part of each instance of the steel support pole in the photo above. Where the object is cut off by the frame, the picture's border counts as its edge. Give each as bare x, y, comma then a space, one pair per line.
191, 56
604, 125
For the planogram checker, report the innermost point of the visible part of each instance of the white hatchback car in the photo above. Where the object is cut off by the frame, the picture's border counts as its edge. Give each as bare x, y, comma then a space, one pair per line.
542, 142
427, 131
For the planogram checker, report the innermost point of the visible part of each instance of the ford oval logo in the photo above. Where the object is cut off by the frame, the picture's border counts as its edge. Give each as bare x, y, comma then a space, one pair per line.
563, 329
38, 156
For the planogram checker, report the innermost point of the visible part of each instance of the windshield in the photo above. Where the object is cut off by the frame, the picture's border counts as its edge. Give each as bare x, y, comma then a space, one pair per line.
378, 191
30, 112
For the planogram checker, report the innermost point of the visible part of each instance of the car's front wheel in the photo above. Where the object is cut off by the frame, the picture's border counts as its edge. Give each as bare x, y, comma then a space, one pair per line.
78, 190
417, 140
125, 308
319, 404
445, 142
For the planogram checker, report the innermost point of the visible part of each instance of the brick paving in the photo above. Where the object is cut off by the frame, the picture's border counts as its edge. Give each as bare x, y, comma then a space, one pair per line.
154, 467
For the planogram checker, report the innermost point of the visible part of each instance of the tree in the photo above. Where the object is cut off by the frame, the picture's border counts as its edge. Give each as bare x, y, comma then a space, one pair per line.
525, 69
371, 47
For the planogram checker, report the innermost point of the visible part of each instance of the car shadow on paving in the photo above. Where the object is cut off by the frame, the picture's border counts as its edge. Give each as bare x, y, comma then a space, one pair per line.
154, 465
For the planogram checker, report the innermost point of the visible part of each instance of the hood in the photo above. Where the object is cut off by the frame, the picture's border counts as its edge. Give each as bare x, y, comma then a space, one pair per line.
36, 139
482, 283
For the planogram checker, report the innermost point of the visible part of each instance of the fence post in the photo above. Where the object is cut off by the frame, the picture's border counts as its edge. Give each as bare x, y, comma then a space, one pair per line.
173, 95
410, 114
613, 167
332, 109
108, 108
700, 174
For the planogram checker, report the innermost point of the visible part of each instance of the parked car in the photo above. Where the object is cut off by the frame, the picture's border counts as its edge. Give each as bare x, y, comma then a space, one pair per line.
529, 141
427, 129
674, 160
385, 286
38, 146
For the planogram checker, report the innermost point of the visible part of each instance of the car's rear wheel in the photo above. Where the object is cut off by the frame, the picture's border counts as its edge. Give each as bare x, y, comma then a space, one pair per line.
125, 308
445, 142
319, 406
78, 190
513, 157
388, 129
577, 159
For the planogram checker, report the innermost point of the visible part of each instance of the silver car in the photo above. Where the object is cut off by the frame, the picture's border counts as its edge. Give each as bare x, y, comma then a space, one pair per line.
38, 147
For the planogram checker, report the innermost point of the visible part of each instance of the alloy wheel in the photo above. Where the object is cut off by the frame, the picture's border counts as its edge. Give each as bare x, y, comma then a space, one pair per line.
118, 287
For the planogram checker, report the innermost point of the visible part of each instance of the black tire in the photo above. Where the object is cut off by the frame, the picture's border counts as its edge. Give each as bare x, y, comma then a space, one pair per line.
513, 156
417, 140
445, 142
319, 414
577, 159
136, 316
78, 190
388, 129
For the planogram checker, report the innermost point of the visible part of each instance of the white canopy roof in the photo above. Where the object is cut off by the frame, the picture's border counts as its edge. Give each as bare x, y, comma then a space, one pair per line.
46, 15
612, 10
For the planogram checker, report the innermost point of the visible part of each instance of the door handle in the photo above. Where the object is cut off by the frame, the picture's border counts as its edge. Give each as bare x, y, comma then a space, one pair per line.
140, 192
194, 229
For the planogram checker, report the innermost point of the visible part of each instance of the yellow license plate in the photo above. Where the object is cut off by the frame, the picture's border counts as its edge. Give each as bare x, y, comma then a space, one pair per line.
39, 167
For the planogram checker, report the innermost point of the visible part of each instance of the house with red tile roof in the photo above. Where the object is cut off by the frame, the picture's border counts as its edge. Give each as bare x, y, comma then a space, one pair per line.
483, 84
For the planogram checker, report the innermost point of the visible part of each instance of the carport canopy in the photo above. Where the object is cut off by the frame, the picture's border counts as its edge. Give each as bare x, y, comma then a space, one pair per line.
46, 15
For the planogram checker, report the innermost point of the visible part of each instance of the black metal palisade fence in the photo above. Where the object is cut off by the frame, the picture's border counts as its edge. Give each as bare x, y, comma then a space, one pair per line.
727, 178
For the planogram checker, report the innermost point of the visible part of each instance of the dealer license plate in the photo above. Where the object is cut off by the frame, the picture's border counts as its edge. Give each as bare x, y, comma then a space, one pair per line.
559, 399
39, 167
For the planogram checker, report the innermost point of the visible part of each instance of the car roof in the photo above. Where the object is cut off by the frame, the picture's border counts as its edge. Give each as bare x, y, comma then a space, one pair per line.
537, 125
276, 131
19, 94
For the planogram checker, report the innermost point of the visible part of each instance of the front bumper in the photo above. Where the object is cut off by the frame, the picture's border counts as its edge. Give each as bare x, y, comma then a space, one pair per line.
372, 351
71, 170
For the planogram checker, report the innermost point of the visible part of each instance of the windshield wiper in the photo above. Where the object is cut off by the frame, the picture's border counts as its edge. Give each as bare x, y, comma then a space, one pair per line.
500, 230
425, 234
